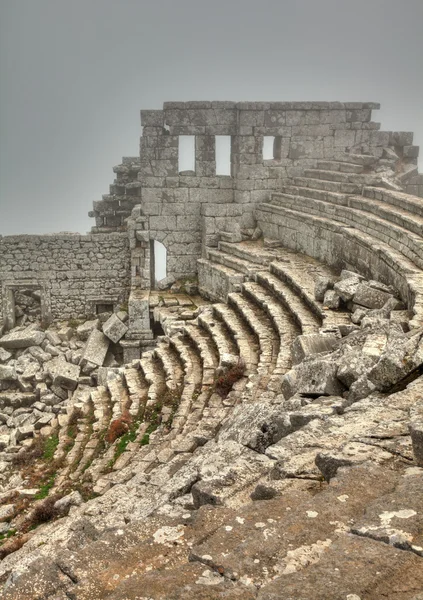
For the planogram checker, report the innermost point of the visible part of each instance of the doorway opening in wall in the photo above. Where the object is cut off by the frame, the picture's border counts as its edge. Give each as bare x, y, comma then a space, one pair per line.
158, 262
186, 153
223, 155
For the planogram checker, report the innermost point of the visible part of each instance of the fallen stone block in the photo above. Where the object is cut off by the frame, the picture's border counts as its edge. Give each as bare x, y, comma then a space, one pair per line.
370, 297
353, 365
322, 285
310, 344
331, 300
166, 282
66, 375
351, 454
4, 355
346, 288
7, 373
96, 349
83, 331
65, 334
114, 329
22, 338
312, 377
24, 432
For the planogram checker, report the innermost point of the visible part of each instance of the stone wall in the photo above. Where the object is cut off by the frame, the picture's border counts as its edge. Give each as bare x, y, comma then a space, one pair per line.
74, 273
174, 202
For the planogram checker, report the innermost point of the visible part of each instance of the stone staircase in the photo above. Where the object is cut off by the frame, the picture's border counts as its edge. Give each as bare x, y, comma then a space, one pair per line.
379, 230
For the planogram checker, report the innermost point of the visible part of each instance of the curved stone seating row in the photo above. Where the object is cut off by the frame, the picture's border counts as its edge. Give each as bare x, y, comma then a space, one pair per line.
220, 335
390, 212
340, 245
283, 323
244, 338
406, 242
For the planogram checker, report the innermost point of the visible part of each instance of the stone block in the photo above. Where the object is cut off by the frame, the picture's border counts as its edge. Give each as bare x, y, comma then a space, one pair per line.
114, 329
332, 299
310, 344
83, 331
22, 338
370, 297
95, 349
66, 375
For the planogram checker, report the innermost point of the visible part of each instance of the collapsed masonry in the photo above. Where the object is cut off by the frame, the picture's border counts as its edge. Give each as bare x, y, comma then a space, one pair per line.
273, 429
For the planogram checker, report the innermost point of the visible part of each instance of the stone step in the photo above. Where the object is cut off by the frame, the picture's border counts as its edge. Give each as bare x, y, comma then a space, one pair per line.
138, 391
413, 204
217, 330
300, 276
248, 252
171, 365
262, 327
329, 186
357, 159
359, 179
344, 167
244, 338
392, 266
207, 351
406, 242
216, 281
282, 321
155, 377
305, 319
389, 212
231, 261
119, 395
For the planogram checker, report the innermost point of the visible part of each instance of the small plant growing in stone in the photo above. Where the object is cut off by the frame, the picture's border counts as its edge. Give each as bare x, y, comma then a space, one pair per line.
118, 427
226, 380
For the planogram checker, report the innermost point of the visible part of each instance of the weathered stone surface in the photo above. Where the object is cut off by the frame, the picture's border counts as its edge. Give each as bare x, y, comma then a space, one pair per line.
22, 338
96, 349
83, 331
331, 299
66, 375
114, 329
313, 377
370, 297
310, 344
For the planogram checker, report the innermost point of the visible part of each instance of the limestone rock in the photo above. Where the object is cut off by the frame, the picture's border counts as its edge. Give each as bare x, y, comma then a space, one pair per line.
22, 338
369, 297
310, 344
83, 331
96, 349
332, 299
114, 329
66, 375
322, 285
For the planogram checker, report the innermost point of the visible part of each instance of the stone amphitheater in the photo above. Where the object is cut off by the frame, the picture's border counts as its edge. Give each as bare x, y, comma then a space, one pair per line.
248, 424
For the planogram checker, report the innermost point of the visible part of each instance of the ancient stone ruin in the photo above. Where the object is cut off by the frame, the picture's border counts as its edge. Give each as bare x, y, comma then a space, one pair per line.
218, 392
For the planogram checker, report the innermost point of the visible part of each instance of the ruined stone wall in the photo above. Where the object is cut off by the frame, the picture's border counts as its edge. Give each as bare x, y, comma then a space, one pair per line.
182, 208
74, 273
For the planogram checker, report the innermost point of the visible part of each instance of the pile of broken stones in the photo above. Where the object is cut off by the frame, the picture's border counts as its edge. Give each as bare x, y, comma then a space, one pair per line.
39, 370
373, 353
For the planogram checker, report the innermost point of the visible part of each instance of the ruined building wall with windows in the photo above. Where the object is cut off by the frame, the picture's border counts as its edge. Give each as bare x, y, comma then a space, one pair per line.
152, 199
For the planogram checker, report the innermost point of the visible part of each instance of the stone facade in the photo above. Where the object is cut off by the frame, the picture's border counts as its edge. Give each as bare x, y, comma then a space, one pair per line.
74, 273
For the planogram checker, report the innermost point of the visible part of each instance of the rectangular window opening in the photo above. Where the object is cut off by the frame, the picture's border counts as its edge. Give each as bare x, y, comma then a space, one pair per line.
223, 155
186, 153
268, 147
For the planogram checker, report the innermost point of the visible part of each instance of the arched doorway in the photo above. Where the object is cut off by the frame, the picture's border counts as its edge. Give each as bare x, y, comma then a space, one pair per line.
158, 262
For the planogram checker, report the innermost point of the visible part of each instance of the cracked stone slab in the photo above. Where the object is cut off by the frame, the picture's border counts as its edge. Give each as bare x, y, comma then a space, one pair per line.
352, 568
397, 518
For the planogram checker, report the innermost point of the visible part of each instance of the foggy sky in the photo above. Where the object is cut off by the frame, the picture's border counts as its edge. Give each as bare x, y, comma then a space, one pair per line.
74, 75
